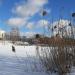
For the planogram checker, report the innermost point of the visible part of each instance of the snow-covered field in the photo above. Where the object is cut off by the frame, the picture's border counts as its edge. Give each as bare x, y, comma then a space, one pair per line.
23, 62
23, 51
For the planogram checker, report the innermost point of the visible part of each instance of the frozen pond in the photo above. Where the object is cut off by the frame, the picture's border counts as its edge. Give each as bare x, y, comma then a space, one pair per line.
23, 62
20, 63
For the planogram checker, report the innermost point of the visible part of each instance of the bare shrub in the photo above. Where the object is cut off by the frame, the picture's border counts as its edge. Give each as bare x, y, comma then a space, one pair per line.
56, 59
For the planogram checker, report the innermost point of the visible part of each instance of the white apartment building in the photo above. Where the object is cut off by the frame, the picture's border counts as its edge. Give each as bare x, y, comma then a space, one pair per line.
2, 34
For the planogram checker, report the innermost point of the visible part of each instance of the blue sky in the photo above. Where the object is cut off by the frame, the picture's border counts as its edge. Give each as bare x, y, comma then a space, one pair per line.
26, 14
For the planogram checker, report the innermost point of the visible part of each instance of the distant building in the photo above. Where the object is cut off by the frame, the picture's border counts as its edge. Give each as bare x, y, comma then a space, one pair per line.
2, 34
14, 34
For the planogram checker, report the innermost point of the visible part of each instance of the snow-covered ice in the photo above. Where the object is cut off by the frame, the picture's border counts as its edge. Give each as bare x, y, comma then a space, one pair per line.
6, 49
23, 62
20, 63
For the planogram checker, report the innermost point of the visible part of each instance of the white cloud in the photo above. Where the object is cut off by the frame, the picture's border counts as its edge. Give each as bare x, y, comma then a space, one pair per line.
39, 24
16, 21
38, 2
42, 23
29, 8
25, 11
30, 25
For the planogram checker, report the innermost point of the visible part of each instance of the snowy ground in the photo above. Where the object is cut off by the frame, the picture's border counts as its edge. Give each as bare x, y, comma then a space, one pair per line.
23, 62
6, 49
